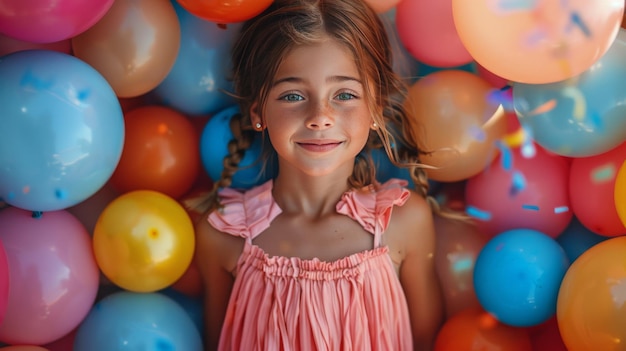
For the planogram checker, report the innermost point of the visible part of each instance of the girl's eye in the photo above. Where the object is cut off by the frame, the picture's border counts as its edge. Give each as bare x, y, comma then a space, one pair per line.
345, 96
292, 97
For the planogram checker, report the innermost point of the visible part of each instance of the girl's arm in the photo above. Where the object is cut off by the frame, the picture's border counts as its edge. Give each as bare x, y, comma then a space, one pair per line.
417, 271
213, 256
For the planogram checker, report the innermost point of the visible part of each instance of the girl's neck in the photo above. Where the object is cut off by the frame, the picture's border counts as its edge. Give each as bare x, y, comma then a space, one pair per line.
309, 196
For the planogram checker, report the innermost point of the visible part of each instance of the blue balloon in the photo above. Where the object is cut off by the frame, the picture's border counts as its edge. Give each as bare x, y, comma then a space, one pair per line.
576, 239
196, 83
214, 147
517, 276
137, 321
582, 116
62, 130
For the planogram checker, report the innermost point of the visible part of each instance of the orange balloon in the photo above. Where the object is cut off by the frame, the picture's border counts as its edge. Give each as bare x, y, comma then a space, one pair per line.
537, 42
134, 46
454, 119
590, 307
225, 11
144, 241
458, 245
161, 152
473, 329
620, 193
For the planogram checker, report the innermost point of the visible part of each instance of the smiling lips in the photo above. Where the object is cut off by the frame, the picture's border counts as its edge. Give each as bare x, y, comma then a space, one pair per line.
319, 146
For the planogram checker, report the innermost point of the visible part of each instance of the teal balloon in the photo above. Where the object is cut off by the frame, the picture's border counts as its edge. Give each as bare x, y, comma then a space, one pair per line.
198, 81
61, 130
137, 321
582, 116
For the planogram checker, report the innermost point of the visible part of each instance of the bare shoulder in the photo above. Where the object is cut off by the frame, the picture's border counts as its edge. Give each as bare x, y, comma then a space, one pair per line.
412, 225
217, 246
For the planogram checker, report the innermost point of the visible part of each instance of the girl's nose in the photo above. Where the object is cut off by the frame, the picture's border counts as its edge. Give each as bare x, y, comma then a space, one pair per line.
322, 117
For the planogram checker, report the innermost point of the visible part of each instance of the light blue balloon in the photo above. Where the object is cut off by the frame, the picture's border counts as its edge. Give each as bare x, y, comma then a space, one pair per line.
137, 321
582, 116
196, 83
214, 147
61, 130
517, 276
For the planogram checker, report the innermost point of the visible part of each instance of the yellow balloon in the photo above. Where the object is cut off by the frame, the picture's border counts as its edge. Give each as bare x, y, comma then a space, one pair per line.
591, 313
143, 241
620, 193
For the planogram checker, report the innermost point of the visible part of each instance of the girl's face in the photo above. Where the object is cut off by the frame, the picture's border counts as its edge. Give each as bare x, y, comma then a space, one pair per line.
316, 113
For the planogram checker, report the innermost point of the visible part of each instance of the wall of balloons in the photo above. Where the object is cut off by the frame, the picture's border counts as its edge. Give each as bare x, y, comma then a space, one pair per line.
113, 113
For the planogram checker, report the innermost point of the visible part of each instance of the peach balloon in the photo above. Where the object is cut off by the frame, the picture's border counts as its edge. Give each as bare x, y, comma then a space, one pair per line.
458, 245
536, 42
134, 46
590, 304
453, 118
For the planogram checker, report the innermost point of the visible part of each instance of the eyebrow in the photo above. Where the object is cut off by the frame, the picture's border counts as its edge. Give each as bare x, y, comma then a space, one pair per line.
331, 79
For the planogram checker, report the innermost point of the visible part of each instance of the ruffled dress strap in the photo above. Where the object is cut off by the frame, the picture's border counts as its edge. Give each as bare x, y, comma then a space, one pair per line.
371, 206
245, 214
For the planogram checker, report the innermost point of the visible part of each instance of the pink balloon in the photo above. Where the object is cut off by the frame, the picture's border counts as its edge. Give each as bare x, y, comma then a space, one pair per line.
592, 191
10, 45
518, 191
426, 28
4, 282
45, 21
54, 276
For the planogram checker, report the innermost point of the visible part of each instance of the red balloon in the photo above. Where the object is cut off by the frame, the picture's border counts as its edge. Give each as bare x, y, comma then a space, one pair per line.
546, 337
161, 152
592, 191
225, 11
518, 191
473, 329
4, 281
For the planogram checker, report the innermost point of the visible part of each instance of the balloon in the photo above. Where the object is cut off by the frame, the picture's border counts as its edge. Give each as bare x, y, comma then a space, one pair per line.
590, 310
198, 81
54, 277
427, 30
458, 245
576, 239
454, 120
143, 241
547, 337
42, 21
4, 282
134, 46
517, 276
192, 305
382, 6
161, 152
10, 45
521, 191
62, 130
23, 348
137, 321
214, 147
620, 193
537, 42
473, 329
582, 116
495, 80
225, 11
88, 211
592, 189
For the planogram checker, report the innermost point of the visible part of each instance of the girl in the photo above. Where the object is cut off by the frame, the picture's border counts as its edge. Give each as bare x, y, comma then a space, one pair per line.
323, 256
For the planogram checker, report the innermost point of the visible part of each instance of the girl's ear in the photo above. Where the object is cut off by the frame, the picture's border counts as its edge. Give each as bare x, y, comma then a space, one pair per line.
255, 115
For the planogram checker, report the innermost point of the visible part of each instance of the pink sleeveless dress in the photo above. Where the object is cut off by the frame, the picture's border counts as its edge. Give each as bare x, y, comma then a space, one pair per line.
287, 303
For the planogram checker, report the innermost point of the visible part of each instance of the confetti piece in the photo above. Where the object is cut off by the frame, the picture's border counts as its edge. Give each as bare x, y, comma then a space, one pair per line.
603, 173
578, 21
580, 104
530, 207
478, 213
477, 133
26, 189
518, 183
60, 194
543, 108
506, 160
528, 150
516, 138
561, 209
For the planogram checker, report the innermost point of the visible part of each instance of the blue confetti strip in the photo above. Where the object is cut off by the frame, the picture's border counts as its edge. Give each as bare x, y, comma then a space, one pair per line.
561, 209
531, 207
477, 213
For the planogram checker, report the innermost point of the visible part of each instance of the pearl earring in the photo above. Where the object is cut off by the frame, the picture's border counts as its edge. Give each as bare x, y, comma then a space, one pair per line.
374, 125
258, 126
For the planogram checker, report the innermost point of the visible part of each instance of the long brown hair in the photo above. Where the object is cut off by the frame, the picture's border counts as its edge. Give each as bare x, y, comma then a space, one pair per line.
265, 39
